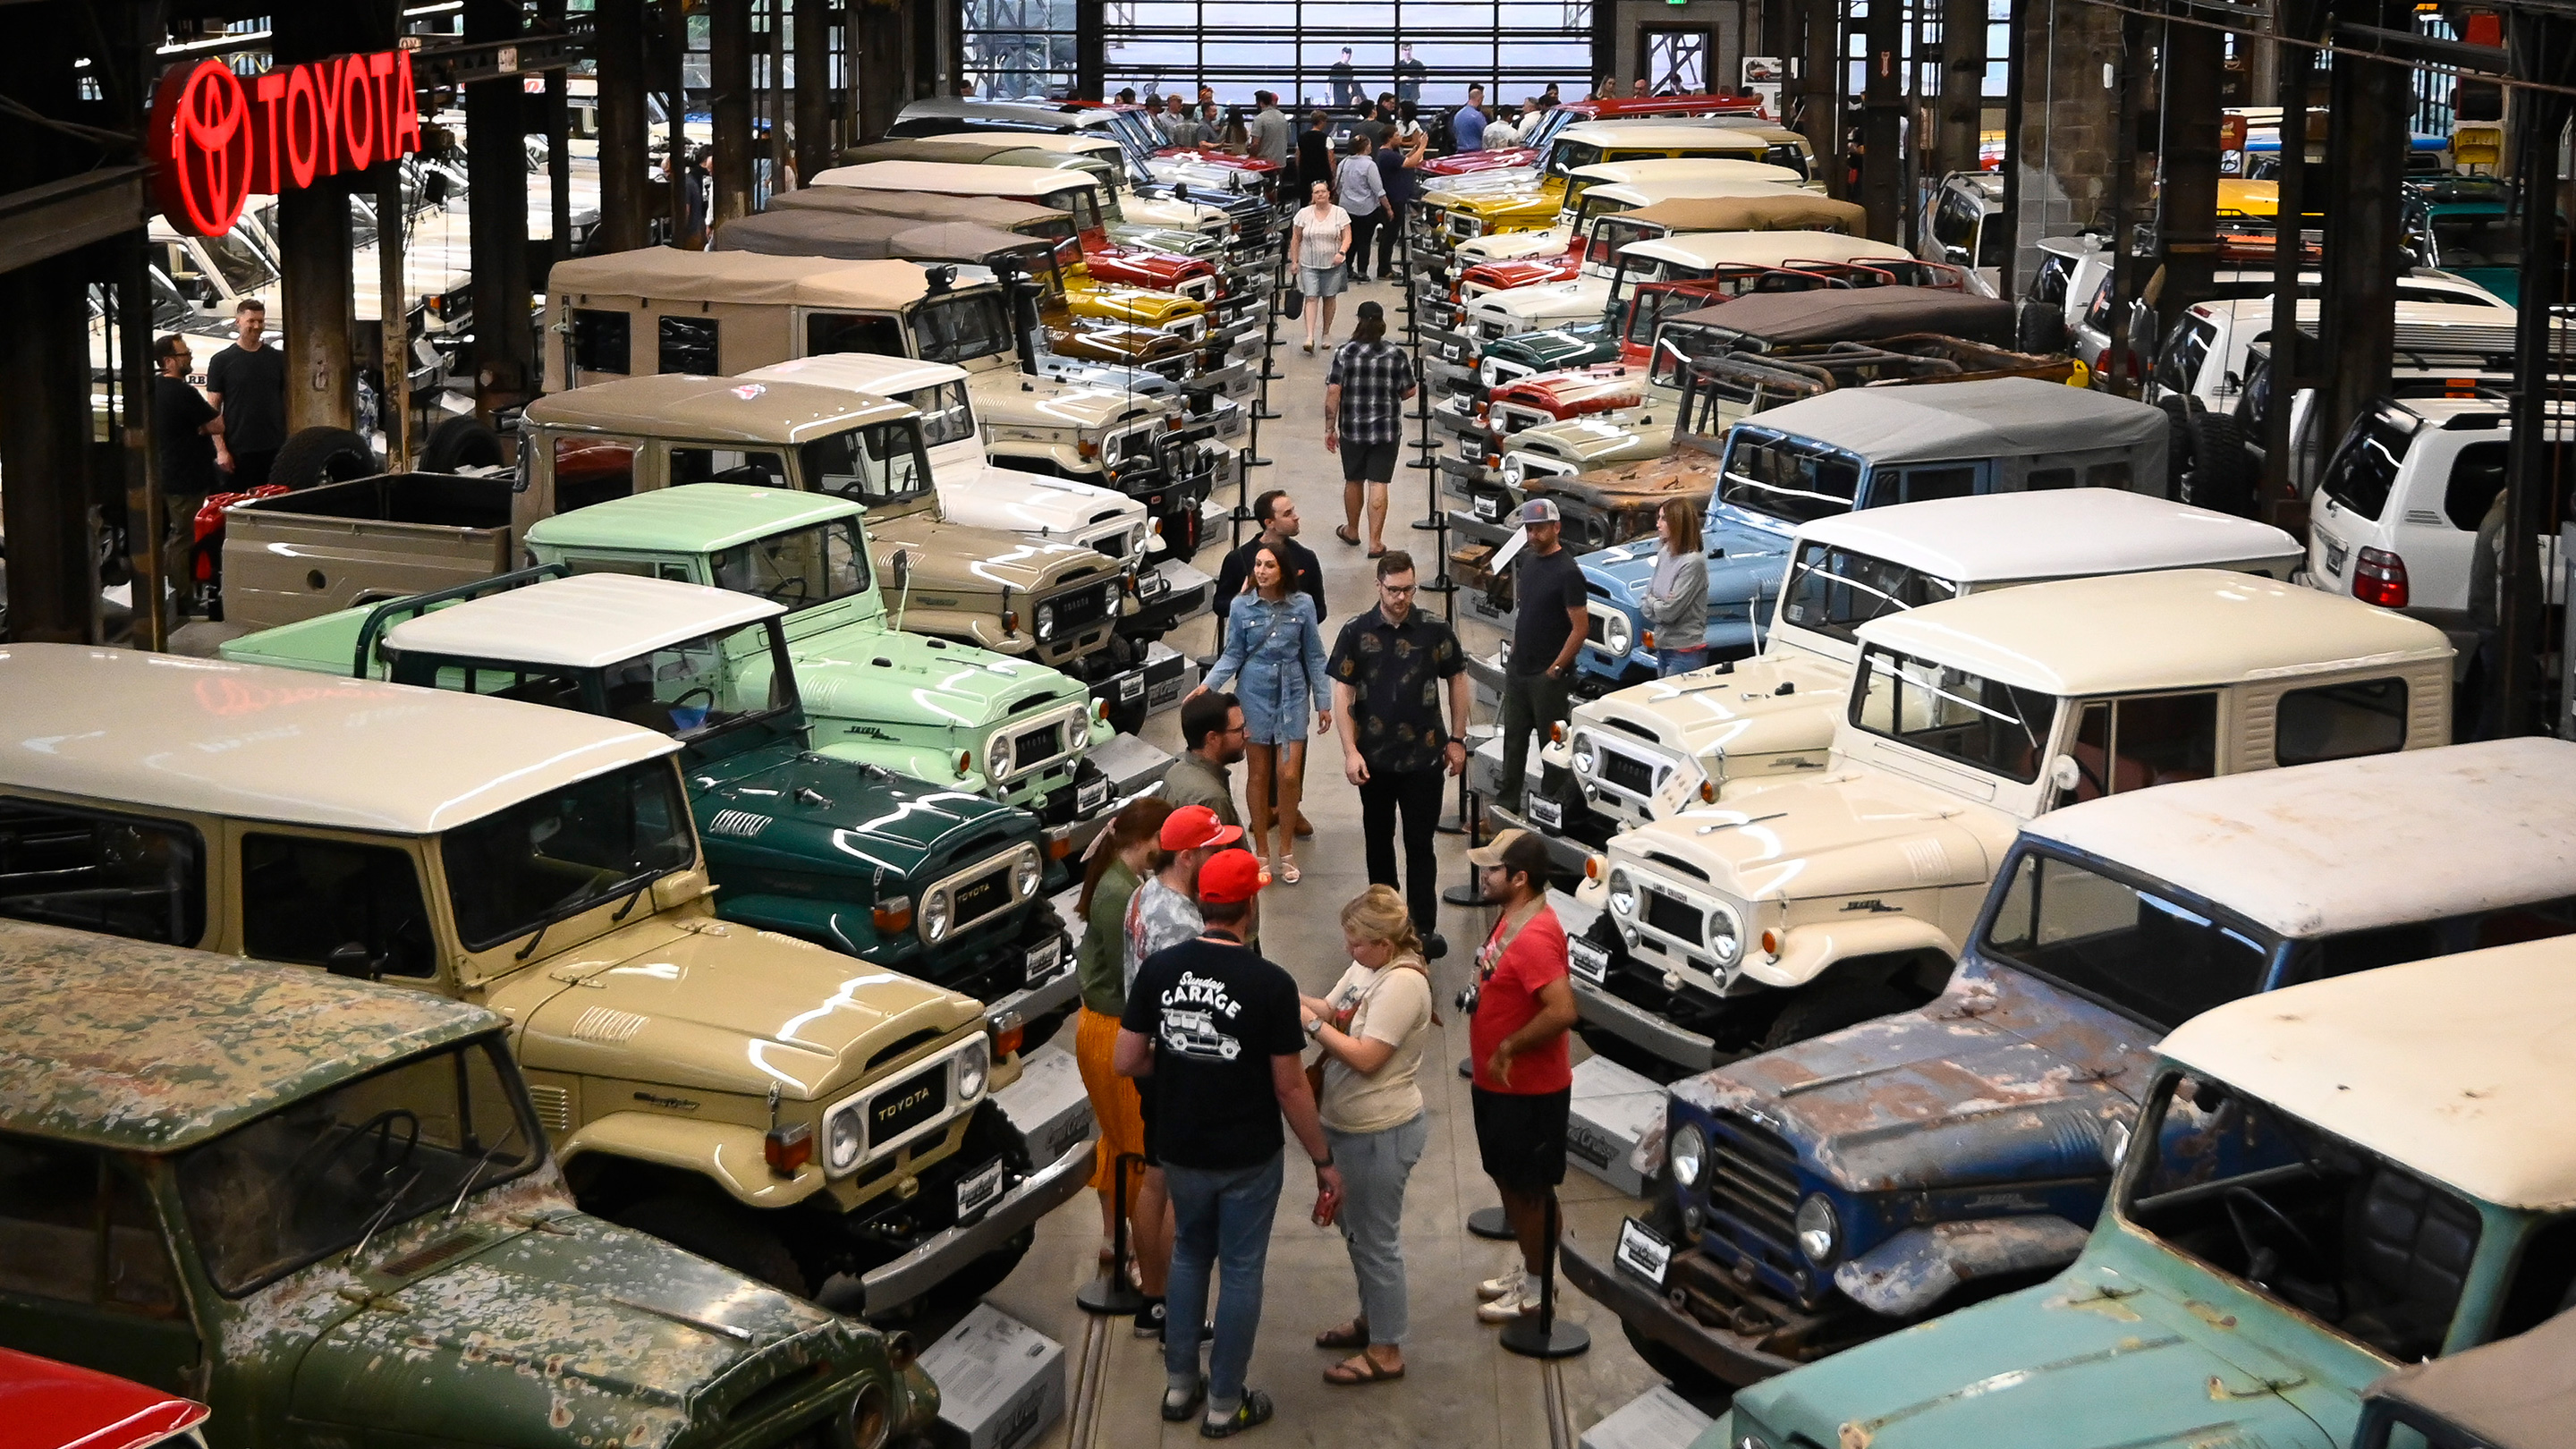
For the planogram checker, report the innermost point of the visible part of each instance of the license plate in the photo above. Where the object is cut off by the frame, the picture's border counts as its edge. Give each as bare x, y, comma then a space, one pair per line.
1131, 687
1642, 1251
1488, 507
977, 1193
2336, 553
1590, 959
1153, 586
1546, 814
1091, 795
1471, 448
1042, 961
1450, 351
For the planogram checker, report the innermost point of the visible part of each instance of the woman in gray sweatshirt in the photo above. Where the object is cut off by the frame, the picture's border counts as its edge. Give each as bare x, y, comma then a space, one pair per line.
1676, 603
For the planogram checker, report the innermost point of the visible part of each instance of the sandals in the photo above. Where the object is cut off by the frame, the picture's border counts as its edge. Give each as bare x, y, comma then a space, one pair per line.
1252, 1413
1350, 538
1284, 870
1353, 1334
1359, 1370
1375, 552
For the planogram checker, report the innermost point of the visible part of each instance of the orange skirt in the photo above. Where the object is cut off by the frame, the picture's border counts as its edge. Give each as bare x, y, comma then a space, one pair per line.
1113, 1099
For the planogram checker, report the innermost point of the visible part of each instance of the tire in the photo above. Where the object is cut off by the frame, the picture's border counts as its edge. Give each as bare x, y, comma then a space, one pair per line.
2223, 474
2178, 439
322, 455
2040, 328
720, 1232
461, 442
1706, 1391
1824, 1008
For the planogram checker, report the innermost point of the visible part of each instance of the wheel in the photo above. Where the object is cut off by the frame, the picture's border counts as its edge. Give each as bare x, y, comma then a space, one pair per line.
721, 1232
2178, 456
1826, 1007
1706, 1391
2223, 474
322, 455
2040, 327
461, 442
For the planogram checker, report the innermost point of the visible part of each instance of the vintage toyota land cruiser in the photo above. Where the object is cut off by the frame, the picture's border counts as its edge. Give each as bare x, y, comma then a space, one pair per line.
2324, 1183
1899, 1188
926, 879
956, 716
786, 1110
1458, 208
324, 1207
1787, 910
1615, 187
1690, 258
1050, 603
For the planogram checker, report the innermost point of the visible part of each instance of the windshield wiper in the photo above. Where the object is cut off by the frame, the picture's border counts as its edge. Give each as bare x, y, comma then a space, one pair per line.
530, 949
378, 1221
643, 883
480, 1163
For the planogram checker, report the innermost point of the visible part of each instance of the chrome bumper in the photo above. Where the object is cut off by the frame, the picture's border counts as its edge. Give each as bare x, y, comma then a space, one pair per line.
935, 1261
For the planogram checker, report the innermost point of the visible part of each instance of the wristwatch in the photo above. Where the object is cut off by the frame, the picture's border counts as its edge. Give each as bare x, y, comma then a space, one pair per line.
1314, 1025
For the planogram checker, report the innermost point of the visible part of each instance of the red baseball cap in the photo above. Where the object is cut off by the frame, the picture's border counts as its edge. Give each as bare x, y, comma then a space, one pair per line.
1193, 826
1231, 876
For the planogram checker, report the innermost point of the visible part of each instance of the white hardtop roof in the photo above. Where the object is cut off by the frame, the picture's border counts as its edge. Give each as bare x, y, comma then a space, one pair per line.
1650, 169
2058, 533
1062, 143
942, 179
861, 372
2438, 412
2176, 629
2409, 314
209, 736
2455, 1068
2295, 850
1986, 418
1763, 248
1665, 131
587, 621
1696, 188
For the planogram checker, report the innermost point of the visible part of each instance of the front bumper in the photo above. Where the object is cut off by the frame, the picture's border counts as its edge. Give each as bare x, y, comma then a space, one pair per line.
949, 1250
1050, 993
1733, 1357
1595, 1007
1169, 594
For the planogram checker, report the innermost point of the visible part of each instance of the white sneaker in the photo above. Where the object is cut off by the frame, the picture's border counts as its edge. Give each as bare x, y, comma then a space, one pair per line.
1504, 1283
1506, 1309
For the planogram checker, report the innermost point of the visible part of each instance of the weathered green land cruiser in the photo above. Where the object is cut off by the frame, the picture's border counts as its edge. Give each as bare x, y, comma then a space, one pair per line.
786, 1110
324, 1207
929, 880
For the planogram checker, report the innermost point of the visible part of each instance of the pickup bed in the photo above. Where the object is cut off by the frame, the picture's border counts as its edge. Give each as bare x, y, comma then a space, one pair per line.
315, 551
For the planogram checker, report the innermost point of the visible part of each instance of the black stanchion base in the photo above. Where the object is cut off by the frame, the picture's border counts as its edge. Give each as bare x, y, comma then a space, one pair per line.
1439, 584
1429, 525
1448, 827
1560, 1340
1250, 461
1108, 1297
1467, 897
1488, 1222
1423, 463
1266, 415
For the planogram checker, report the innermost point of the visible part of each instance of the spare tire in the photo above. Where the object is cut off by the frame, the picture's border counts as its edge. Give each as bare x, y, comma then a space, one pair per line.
2223, 475
2178, 413
461, 442
2041, 328
322, 455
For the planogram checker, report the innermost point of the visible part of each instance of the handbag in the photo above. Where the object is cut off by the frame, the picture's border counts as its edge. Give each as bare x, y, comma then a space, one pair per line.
1296, 307
1340, 1021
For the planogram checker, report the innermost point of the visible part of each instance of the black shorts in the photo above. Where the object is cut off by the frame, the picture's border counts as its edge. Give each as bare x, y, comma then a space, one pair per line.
1521, 1137
1369, 462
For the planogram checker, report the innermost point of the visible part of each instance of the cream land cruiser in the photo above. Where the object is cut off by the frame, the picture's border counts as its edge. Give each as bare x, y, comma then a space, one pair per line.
1784, 912
785, 1110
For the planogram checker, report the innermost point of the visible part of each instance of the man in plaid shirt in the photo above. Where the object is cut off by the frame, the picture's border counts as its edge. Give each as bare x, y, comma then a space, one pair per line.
1364, 397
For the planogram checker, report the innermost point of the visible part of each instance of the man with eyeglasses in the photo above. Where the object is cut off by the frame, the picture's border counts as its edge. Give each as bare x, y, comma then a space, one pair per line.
188, 431
1390, 668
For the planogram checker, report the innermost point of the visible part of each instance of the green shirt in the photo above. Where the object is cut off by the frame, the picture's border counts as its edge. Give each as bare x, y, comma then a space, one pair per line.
1099, 963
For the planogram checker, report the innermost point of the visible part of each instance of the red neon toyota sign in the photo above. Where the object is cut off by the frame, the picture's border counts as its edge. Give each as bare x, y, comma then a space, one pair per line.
217, 138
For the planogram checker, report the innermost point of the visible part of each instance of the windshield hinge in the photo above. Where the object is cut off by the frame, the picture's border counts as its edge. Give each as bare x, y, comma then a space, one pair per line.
382, 1302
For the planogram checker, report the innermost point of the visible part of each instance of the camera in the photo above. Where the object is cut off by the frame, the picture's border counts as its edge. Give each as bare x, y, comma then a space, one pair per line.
1467, 999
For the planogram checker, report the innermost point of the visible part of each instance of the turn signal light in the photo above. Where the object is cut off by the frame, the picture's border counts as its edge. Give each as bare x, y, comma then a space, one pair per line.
1010, 621
1059, 849
1592, 867
1708, 792
788, 1148
1556, 734
2379, 577
1647, 640
1086, 448
893, 915
1006, 1033
965, 763
1770, 943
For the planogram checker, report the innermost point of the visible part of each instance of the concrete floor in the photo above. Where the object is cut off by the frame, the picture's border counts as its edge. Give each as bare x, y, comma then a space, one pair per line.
1461, 1388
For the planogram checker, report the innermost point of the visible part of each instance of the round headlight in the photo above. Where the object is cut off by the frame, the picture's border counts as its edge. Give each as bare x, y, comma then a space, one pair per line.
972, 1068
1513, 472
841, 1141
871, 1422
1024, 876
1046, 620
1623, 893
1820, 1233
1688, 1154
1586, 760
1615, 634
1725, 935
934, 916
997, 756
1136, 540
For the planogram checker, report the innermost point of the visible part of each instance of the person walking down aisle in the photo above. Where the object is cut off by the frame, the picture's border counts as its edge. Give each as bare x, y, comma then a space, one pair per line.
1364, 393
1272, 643
1547, 630
1121, 857
1467, 123
1276, 512
1211, 740
1370, 1028
1315, 151
1523, 1008
1322, 240
1215, 1031
246, 382
1363, 193
1390, 666
1676, 603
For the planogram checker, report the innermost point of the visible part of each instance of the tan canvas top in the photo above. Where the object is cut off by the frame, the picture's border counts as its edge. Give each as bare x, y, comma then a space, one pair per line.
670, 274
1792, 210
994, 211
1022, 182
869, 236
712, 409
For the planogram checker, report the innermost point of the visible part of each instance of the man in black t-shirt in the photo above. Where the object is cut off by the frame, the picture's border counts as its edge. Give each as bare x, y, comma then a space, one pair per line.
247, 383
1214, 1032
1547, 631
184, 429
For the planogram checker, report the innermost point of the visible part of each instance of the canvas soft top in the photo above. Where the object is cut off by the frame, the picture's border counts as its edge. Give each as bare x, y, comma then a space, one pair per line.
2514, 1393
1776, 208
870, 237
672, 275
1022, 183
1855, 314
1000, 212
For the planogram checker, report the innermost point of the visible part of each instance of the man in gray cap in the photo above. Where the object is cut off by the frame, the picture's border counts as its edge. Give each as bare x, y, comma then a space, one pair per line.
1547, 631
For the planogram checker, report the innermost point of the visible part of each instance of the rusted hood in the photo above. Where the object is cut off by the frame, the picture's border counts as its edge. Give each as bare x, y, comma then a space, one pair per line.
1575, 390
2000, 1079
1682, 473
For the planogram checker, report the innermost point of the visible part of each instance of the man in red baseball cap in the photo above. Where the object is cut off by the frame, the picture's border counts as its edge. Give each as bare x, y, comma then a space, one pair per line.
1213, 1033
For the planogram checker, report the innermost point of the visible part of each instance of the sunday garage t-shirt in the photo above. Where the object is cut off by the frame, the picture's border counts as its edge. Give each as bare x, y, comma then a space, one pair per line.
1216, 1013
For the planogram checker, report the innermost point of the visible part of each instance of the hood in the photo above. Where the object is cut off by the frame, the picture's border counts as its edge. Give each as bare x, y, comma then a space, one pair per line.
1597, 388
1581, 297
1512, 245
1626, 434
1101, 337
1684, 473
2000, 1079
1872, 832
1471, 162
961, 561
1740, 712
1174, 213
868, 672
707, 1005
572, 1331
806, 813
1522, 272
1460, 188
1745, 564
1142, 262
1557, 346
984, 496
1137, 305
2090, 1360
1017, 399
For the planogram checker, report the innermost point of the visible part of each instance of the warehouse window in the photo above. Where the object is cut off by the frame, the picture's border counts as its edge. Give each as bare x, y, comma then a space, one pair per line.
1020, 49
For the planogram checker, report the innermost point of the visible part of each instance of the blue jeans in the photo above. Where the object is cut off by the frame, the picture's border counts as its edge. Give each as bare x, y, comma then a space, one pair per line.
1669, 662
1375, 1166
1220, 1222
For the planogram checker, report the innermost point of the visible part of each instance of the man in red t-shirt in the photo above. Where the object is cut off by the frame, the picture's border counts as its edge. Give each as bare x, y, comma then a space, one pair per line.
1524, 1080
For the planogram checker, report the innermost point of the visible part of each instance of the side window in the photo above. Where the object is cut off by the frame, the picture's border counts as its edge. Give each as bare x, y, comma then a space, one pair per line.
2340, 721
592, 470
728, 465
2050, 285
2477, 476
2131, 744
141, 879
689, 345
1919, 484
305, 900
2108, 475
2042, 479
600, 341
49, 1228
852, 332
642, 568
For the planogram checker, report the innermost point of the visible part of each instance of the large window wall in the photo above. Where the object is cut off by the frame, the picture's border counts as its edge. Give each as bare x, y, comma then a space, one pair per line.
1019, 49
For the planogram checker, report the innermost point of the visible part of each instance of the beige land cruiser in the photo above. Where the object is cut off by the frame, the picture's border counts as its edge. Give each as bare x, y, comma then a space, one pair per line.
785, 1110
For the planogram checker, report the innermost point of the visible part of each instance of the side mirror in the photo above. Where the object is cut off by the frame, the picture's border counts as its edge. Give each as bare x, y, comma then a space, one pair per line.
2064, 773
354, 961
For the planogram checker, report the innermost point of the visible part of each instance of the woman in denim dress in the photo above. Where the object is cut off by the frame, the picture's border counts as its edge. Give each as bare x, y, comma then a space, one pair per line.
1273, 644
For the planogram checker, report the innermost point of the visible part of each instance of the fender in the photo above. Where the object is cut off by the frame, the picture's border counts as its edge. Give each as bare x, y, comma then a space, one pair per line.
843, 926
922, 762
1812, 948
1914, 1271
727, 1154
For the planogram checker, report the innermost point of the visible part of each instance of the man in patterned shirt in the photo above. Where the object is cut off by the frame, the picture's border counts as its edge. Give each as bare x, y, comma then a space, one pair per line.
1364, 397
1389, 668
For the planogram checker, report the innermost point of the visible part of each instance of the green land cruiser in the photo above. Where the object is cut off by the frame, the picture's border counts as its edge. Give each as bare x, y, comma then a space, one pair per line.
786, 1110
327, 1208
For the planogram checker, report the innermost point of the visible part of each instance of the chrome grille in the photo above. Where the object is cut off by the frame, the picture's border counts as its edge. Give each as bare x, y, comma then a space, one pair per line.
1077, 607
981, 897
1753, 1181
1674, 918
1632, 775
1596, 630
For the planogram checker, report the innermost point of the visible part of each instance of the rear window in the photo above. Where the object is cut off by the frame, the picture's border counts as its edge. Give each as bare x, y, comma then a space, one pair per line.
2365, 467
600, 341
2050, 285
2340, 721
2178, 365
689, 345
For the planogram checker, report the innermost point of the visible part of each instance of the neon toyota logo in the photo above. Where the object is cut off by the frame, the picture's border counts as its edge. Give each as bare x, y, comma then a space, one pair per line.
217, 138
201, 147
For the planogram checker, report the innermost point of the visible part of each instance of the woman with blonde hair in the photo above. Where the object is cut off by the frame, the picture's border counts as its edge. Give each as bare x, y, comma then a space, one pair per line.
1121, 857
1676, 601
1371, 1028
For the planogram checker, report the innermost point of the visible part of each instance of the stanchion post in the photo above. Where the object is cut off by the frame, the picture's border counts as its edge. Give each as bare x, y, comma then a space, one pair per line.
1543, 1336
1111, 1294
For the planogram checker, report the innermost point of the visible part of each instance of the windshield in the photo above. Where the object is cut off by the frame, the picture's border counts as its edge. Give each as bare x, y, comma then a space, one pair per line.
946, 415
1787, 478
961, 327
2140, 952
245, 267
569, 849
684, 689
1565, 155
801, 567
877, 464
2365, 467
2000, 729
318, 1175
1834, 591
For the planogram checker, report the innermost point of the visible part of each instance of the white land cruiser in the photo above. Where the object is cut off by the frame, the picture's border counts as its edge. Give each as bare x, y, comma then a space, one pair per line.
1779, 914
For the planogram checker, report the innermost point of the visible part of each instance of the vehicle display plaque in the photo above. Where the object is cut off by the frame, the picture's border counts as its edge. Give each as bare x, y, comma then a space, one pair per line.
979, 1190
1041, 962
1589, 959
1131, 686
1489, 507
1643, 1251
1548, 814
1090, 795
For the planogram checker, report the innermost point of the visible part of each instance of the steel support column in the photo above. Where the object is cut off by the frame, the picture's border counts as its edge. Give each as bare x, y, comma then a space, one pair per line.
1816, 84
1963, 85
666, 56
729, 76
625, 176
315, 292
45, 450
2294, 75
496, 162
2365, 174
556, 118
2187, 203
1882, 124
880, 50
2544, 49
814, 148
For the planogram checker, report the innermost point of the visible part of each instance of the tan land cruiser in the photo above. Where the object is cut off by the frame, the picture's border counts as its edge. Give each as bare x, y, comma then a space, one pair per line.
1788, 910
785, 1110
